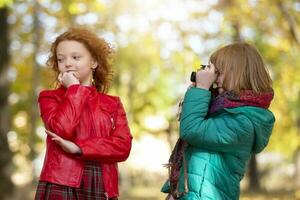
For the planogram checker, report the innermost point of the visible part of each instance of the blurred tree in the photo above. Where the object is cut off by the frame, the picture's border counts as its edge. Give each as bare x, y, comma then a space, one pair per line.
6, 185
294, 35
34, 114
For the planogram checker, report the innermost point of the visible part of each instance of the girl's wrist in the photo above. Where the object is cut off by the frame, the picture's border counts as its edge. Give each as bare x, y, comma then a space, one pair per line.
203, 87
79, 152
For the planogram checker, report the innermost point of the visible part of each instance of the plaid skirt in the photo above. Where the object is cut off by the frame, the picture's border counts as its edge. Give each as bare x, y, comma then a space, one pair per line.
91, 187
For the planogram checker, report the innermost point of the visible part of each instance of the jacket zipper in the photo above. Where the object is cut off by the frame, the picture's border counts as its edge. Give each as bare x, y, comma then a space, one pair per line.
112, 123
95, 134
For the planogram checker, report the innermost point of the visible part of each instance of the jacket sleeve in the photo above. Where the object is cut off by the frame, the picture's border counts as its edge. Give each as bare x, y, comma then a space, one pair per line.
224, 133
111, 149
62, 117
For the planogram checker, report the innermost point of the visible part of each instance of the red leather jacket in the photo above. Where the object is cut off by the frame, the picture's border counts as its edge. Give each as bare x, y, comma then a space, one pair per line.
96, 123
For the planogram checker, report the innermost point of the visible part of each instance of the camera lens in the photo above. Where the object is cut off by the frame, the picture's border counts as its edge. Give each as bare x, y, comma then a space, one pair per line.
193, 77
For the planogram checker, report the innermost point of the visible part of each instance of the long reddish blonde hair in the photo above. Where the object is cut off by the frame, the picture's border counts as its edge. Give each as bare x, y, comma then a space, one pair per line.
243, 68
99, 49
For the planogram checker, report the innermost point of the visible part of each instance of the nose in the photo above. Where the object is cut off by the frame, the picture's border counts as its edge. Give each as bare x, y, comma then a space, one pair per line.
68, 63
218, 80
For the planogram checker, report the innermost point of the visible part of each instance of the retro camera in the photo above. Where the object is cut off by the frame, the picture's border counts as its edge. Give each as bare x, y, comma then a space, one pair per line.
193, 74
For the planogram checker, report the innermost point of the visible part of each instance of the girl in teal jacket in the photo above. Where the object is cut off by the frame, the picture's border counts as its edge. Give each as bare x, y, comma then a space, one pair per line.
223, 130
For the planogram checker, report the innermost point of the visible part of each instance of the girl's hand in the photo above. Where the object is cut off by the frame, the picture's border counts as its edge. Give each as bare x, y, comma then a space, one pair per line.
206, 77
191, 85
68, 78
66, 145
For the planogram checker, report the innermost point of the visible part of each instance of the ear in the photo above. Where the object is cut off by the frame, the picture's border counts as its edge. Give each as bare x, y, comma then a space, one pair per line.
95, 65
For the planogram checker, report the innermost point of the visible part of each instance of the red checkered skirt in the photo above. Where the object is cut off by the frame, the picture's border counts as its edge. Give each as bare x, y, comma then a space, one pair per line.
91, 187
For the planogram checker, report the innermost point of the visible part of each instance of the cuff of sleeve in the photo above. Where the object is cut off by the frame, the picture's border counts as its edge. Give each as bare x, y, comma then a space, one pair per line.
80, 144
166, 187
196, 94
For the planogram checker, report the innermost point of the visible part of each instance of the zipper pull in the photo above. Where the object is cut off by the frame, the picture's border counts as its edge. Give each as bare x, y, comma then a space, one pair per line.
112, 123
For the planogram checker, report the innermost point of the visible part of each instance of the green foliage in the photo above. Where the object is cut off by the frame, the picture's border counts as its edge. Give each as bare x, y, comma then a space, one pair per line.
5, 3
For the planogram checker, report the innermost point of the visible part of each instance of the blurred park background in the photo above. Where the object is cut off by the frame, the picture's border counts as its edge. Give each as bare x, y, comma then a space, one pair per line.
157, 43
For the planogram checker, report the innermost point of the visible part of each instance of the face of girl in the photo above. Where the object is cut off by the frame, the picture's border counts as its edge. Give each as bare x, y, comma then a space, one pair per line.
219, 82
73, 56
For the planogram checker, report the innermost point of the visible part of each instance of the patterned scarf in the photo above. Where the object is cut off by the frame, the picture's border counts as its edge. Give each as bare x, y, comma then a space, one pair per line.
246, 98
176, 161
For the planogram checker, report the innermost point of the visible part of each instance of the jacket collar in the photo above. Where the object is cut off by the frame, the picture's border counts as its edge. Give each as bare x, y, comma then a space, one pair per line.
105, 102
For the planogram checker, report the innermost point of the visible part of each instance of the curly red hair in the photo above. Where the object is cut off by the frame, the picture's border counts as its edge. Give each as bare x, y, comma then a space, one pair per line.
100, 50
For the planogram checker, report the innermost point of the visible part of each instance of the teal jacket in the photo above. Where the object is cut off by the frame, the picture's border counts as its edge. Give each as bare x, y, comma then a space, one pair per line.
220, 145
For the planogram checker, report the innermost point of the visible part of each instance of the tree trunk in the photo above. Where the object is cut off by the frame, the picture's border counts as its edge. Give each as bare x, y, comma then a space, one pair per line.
35, 82
297, 154
237, 32
254, 184
6, 185
292, 23
297, 167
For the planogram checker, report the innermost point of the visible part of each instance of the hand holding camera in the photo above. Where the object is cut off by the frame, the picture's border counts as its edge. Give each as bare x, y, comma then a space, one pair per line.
205, 76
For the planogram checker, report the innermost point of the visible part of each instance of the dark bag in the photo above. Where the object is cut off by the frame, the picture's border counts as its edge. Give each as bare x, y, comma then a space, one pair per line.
176, 161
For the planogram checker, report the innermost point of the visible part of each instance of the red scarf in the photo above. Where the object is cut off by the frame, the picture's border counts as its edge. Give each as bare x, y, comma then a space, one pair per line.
246, 98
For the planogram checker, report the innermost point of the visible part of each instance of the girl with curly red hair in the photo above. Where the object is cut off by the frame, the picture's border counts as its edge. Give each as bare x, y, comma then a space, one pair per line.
87, 130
